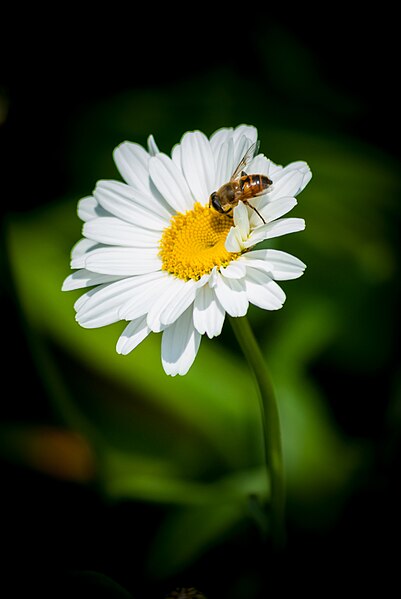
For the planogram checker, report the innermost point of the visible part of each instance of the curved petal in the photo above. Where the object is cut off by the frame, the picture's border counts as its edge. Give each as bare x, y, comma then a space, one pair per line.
114, 231
279, 265
82, 247
198, 165
286, 183
232, 295
180, 344
176, 155
259, 165
110, 300
120, 261
248, 131
179, 303
152, 146
170, 182
234, 242
219, 137
85, 278
235, 270
99, 307
88, 208
172, 288
208, 314
279, 227
132, 162
303, 167
133, 334
241, 219
243, 137
262, 291
148, 289
134, 206
271, 210
224, 162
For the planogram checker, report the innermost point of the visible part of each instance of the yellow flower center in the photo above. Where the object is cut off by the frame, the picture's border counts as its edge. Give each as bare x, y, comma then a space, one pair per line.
193, 244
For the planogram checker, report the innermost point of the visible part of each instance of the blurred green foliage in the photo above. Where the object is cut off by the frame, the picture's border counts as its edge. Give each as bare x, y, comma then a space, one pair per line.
193, 444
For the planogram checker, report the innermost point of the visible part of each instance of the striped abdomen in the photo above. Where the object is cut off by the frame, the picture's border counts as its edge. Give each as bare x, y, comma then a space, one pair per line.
253, 185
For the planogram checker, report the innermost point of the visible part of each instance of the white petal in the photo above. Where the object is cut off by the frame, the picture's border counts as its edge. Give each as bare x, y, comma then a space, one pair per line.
208, 313
172, 287
134, 333
241, 219
243, 137
132, 162
279, 265
82, 247
248, 131
262, 291
114, 231
170, 182
176, 155
99, 306
134, 206
301, 167
271, 210
259, 165
180, 344
198, 165
85, 278
234, 241
148, 289
214, 275
89, 208
179, 303
224, 163
286, 183
120, 261
102, 305
152, 146
219, 137
232, 295
235, 270
241, 145
307, 177
283, 226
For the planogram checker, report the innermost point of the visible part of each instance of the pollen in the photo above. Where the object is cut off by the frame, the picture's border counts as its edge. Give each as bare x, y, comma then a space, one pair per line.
193, 244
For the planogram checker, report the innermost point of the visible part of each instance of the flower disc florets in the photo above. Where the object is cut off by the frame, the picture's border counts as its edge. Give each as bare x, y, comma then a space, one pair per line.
194, 243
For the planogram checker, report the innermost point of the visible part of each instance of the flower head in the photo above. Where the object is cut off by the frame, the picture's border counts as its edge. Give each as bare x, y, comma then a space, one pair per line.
157, 256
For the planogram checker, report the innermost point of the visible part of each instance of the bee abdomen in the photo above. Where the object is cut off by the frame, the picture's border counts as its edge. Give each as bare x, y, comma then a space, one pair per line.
254, 184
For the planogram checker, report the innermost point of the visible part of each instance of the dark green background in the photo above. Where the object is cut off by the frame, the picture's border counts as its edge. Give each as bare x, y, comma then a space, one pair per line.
152, 493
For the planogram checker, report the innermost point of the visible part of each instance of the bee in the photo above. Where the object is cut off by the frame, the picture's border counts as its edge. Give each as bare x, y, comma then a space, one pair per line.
241, 187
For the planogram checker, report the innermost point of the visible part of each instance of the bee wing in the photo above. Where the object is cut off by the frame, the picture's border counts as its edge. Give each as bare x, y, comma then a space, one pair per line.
247, 157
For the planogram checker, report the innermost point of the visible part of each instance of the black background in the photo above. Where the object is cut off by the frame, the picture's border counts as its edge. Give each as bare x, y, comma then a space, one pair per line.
53, 65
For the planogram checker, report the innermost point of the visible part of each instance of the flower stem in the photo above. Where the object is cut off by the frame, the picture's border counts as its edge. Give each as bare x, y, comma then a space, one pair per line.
271, 426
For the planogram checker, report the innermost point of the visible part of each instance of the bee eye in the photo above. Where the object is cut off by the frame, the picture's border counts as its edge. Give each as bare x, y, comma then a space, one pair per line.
216, 202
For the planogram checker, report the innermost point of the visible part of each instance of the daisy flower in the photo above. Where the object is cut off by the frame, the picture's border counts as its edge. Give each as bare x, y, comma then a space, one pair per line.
158, 256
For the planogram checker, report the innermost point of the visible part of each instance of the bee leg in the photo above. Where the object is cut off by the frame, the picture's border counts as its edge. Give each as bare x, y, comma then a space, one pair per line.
229, 212
257, 212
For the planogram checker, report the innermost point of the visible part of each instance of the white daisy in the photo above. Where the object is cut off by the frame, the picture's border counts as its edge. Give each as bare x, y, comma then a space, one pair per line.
158, 257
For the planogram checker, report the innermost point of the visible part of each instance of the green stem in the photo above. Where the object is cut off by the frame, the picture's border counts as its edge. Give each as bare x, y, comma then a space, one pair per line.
271, 426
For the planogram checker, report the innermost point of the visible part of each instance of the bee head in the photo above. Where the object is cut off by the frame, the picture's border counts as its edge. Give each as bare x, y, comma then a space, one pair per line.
214, 201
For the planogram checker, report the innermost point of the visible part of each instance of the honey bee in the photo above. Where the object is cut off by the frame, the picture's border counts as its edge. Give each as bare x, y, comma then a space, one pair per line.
241, 187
